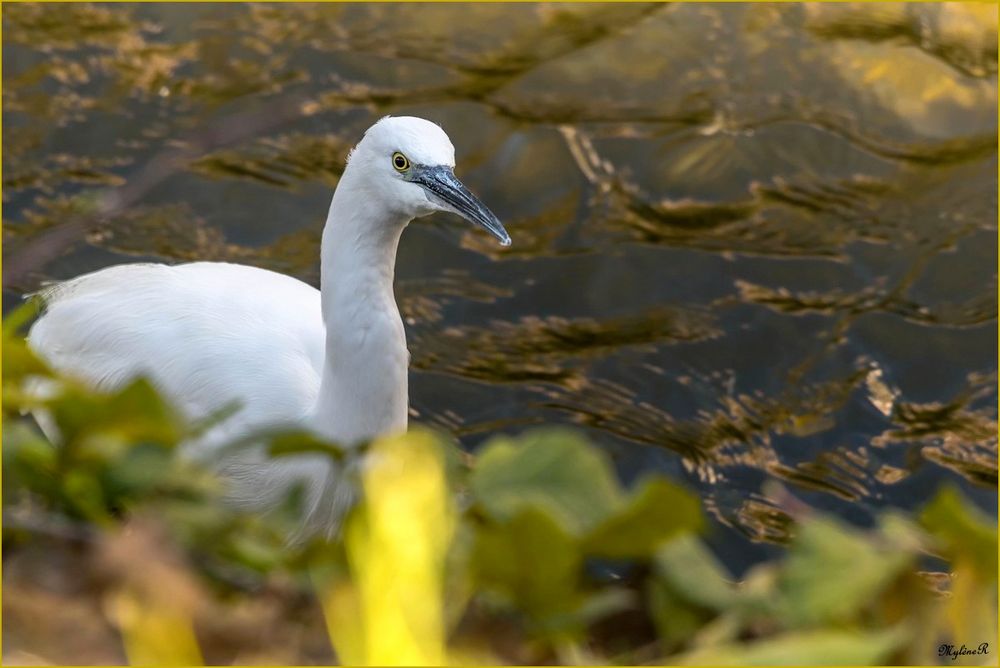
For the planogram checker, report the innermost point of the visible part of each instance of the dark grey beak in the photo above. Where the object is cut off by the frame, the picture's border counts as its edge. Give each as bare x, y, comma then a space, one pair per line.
443, 183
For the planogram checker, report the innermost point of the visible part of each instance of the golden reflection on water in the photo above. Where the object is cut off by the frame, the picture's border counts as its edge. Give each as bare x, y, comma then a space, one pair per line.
758, 241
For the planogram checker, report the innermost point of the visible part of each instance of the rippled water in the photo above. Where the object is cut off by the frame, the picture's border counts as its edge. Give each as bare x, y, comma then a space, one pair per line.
755, 246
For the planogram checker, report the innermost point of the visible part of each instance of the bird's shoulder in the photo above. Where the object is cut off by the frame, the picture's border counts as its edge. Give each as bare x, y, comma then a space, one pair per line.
193, 279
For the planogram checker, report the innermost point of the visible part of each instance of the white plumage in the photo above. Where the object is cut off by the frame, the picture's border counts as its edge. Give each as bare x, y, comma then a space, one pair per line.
209, 334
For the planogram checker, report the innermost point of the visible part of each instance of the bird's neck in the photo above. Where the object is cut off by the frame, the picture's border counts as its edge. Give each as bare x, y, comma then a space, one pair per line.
363, 391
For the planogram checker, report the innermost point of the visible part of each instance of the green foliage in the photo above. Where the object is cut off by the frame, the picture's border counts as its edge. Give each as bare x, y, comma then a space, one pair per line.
551, 501
969, 541
962, 531
540, 508
551, 469
840, 648
832, 572
656, 511
112, 456
531, 560
689, 569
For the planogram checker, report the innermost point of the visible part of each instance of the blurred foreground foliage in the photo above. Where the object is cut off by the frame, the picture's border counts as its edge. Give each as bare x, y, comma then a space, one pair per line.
117, 549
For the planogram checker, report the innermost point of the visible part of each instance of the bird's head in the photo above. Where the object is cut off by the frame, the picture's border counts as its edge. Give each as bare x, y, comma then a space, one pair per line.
410, 163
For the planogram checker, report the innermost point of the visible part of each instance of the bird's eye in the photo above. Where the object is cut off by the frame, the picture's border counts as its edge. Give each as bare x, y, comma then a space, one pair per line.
400, 162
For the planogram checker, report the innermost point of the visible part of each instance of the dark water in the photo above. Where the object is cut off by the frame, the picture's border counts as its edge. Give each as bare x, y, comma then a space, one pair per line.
755, 247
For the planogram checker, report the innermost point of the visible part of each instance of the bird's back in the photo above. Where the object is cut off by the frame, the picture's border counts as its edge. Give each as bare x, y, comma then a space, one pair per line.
207, 334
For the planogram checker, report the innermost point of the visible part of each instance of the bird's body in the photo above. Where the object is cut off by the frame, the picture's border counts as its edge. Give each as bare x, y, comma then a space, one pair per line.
206, 333
210, 335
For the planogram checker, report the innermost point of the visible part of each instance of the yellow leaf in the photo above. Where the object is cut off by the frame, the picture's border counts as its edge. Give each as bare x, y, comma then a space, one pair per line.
396, 545
154, 634
344, 624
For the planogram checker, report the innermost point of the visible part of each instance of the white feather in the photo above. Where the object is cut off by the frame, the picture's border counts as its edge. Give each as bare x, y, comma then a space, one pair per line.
209, 334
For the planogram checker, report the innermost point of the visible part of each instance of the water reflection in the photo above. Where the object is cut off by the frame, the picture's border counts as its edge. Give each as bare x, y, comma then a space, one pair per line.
751, 242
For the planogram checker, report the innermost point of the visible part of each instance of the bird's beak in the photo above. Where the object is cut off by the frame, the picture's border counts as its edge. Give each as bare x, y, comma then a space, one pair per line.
443, 183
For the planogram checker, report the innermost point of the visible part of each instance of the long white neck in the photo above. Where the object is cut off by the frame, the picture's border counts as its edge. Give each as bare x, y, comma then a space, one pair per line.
363, 392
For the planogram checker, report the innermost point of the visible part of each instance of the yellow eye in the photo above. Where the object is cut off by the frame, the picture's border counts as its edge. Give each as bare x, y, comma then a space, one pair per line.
400, 162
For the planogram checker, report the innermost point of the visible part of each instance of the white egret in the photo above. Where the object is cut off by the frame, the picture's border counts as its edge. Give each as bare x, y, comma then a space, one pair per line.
333, 360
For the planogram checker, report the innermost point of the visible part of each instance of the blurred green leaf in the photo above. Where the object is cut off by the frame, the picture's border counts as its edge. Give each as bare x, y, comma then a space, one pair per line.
691, 571
251, 551
554, 469
15, 321
969, 542
903, 531
148, 472
833, 571
18, 359
656, 511
963, 530
141, 469
827, 647
599, 604
134, 413
87, 496
29, 460
676, 619
303, 442
530, 561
